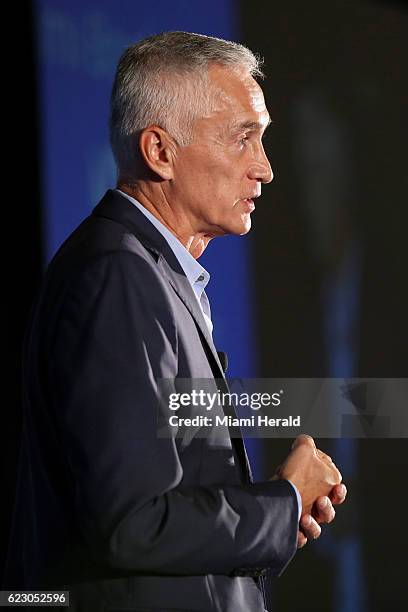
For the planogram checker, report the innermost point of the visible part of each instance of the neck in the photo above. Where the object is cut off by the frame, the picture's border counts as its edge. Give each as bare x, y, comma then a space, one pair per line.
153, 198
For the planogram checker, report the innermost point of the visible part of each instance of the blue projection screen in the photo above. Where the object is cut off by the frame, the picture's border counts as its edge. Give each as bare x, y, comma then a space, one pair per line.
79, 44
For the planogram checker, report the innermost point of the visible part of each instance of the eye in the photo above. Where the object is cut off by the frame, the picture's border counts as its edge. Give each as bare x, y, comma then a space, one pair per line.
243, 139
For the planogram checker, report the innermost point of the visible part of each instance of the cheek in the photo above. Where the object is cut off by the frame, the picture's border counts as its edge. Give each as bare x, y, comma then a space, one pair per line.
226, 176
196, 172
218, 179
213, 183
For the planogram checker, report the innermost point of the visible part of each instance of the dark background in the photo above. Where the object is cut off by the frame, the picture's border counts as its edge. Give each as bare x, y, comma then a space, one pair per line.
349, 62
335, 217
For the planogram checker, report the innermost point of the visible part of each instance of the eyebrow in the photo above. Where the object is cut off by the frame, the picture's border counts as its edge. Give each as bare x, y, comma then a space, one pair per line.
251, 125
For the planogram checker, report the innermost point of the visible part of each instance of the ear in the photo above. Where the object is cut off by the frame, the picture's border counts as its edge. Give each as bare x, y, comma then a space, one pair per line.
158, 150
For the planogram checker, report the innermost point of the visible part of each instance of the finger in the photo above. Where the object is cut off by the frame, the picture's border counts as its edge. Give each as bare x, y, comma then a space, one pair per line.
338, 494
303, 439
309, 527
301, 540
323, 510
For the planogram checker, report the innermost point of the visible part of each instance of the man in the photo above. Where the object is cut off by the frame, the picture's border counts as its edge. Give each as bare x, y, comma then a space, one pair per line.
120, 517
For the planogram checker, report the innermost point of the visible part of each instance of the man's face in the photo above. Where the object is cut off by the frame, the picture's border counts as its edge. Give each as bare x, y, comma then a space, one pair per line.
218, 175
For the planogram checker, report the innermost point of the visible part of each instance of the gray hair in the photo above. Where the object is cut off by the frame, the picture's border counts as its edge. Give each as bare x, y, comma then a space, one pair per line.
163, 80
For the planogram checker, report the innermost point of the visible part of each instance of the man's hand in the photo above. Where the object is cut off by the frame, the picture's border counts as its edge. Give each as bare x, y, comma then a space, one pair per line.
323, 512
318, 482
310, 470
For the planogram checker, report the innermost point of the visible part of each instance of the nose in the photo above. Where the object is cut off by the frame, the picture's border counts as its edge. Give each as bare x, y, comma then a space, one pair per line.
260, 169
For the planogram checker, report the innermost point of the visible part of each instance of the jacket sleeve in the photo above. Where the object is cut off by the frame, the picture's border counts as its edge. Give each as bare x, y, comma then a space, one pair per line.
115, 336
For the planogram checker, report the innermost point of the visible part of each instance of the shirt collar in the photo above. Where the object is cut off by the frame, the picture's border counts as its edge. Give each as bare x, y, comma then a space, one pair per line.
198, 276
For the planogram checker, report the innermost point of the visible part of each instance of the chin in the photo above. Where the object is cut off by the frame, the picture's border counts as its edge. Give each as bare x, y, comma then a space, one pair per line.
246, 225
240, 229
236, 227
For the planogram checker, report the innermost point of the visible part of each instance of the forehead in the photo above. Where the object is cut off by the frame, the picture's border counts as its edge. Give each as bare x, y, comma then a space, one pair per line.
237, 96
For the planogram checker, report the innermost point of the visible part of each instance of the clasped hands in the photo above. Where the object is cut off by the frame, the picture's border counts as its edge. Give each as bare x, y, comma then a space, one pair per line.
319, 483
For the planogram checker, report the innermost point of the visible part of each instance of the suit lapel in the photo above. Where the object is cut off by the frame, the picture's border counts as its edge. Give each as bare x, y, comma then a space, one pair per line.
182, 287
116, 207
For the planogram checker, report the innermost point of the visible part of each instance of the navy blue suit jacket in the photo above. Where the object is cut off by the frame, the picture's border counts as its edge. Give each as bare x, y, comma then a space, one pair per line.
105, 508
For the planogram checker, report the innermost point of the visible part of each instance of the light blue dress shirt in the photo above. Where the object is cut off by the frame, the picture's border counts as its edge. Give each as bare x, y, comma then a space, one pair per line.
198, 277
